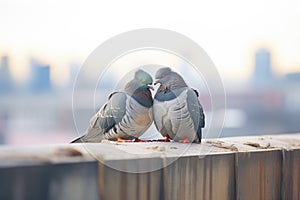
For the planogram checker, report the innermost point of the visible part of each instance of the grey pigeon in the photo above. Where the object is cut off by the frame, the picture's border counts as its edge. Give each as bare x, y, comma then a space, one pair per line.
127, 114
177, 112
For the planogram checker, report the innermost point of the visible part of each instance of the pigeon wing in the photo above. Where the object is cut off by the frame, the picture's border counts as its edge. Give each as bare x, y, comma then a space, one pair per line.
112, 112
106, 118
196, 111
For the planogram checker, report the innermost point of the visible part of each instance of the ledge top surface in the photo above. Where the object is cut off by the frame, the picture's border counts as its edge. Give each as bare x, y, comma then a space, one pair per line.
109, 150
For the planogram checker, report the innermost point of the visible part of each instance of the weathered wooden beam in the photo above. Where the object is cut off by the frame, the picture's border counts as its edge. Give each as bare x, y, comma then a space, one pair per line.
211, 177
36, 181
258, 174
290, 188
46, 172
261, 167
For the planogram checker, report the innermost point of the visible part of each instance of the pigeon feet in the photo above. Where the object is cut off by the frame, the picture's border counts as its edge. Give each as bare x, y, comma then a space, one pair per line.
165, 139
123, 140
186, 140
139, 140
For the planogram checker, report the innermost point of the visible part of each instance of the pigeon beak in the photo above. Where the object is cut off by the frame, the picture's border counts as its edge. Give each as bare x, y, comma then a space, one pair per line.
157, 81
150, 86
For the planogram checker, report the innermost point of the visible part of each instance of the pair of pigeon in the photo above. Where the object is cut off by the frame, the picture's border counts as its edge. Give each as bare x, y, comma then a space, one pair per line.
175, 110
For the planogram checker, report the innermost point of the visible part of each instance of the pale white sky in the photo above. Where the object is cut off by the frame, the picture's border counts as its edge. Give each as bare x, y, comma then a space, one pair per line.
59, 32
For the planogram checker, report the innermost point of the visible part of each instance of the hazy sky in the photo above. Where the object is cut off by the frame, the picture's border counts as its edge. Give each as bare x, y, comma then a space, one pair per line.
59, 32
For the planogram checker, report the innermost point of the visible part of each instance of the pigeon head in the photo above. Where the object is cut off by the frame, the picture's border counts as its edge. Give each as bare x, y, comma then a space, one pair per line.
169, 79
163, 75
139, 88
143, 80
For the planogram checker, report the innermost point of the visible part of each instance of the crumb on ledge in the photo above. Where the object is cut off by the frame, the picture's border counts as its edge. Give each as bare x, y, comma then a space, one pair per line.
68, 151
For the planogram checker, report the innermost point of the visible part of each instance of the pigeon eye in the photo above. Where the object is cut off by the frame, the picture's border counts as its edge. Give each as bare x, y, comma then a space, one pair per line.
163, 75
143, 81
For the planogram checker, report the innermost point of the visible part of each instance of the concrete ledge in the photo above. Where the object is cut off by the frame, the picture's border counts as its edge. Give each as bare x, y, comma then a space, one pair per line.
261, 167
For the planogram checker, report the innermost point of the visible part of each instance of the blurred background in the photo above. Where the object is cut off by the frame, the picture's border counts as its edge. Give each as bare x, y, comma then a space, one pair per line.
255, 45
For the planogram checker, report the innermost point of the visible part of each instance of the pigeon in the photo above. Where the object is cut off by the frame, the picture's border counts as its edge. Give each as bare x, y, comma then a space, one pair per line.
126, 115
177, 112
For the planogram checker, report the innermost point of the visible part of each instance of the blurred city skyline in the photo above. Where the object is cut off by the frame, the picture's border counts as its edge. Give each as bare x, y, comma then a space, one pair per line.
38, 74
34, 68
60, 71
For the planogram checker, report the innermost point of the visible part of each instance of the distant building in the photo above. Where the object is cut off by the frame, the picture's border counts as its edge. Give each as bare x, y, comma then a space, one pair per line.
263, 75
293, 77
291, 86
6, 82
39, 77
